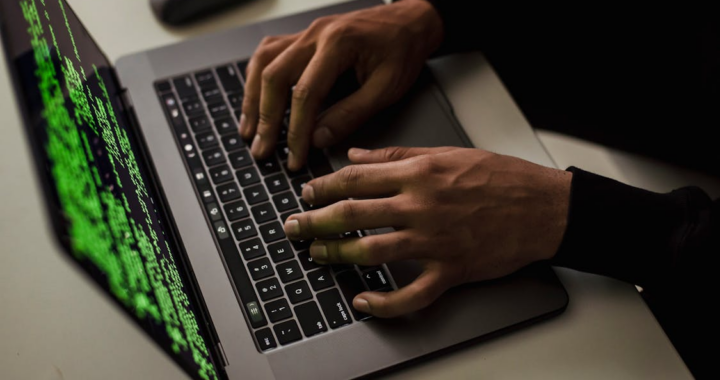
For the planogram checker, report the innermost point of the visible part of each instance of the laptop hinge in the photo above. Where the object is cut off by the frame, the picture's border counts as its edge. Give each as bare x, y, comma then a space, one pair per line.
221, 354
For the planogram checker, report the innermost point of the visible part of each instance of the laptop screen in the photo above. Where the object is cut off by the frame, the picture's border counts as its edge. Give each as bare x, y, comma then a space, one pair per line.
105, 211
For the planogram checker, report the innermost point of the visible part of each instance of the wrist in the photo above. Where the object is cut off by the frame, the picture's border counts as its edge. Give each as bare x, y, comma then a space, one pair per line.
425, 23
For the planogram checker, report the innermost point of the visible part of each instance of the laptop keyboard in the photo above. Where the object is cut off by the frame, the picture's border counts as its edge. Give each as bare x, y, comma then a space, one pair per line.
285, 295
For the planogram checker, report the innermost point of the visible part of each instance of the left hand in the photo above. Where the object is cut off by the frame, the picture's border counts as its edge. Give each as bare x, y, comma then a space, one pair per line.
465, 214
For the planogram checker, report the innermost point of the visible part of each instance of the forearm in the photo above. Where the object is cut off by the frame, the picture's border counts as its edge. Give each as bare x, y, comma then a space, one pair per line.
645, 238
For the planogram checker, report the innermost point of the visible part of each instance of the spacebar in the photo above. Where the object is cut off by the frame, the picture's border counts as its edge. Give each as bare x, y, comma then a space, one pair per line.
242, 283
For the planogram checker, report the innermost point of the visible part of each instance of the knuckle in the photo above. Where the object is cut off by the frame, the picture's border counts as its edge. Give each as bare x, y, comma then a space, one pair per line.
267, 40
294, 138
425, 166
266, 120
301, 94
369, 251
394, 153
269, 77
348, 210
349, 177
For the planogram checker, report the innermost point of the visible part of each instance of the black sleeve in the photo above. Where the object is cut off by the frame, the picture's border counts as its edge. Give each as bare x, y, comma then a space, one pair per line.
657, 241
460, 24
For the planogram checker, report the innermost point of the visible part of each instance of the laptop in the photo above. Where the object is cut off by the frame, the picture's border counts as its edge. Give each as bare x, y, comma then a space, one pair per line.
150, 190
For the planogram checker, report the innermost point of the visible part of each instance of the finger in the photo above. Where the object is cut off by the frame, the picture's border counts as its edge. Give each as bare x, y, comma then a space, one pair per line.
390, 154
348, 114
277, 79
356, 181
308, 95
269, 49
348, 215
415, 296
369, 250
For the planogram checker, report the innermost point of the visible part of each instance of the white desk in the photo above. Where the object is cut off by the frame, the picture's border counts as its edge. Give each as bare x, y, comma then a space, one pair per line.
56, 325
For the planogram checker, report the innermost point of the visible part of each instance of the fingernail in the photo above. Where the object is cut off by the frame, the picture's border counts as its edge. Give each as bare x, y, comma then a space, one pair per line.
361, 304
358, 151
292, 228
308, 194
323, 137
241, 126
255, 148
318, 251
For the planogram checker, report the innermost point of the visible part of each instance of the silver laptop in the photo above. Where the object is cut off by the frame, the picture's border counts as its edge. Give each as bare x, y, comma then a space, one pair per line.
152, 192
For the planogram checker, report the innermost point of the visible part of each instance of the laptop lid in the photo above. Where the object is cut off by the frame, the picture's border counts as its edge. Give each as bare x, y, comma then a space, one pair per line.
105, 207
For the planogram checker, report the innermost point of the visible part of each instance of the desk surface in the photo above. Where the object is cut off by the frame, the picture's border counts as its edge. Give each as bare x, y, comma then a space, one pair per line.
55, 325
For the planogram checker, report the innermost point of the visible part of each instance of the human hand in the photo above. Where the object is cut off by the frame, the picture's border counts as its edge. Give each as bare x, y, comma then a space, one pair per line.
386, 46
465, 214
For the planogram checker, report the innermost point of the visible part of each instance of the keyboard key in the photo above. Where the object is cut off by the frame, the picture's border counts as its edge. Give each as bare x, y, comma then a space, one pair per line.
334, 308
299, 183
193, 107
228, 192
240, 159
301, 245
200, 177
206, 140
163, 86
236, 100
244, 229
229, 78
307, 261
212, 94
278, 310
351, 285
221, 174
287, 332
213, 157
260, 269
298, 292
221, 230
318, 163
298, 173
337, 268
206, 194
265, 339
236, 210
283, 151
289, 271
225, 126
305, 206
247, 176
280, 251
199, 123
185, 87
218, 109
268, 166
320, 279
233, 142
269, 289
173, 110
252, 249
282, 136
284, 216
310, 319
272, 232
214, 212
255, 194
285, 201
263, 213
206, 79
242, 69
276, 183
257, 319
376, 279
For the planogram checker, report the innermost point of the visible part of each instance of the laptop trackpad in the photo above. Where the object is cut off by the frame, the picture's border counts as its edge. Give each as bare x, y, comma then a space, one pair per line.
422, 119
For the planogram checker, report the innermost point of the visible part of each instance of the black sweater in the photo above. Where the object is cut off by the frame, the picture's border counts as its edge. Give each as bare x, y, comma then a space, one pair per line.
646, 81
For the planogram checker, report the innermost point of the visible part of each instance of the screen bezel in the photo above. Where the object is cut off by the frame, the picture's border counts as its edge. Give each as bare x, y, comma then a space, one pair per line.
57, 222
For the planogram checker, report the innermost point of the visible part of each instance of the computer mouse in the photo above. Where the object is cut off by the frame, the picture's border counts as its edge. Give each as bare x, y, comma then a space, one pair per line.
179, 12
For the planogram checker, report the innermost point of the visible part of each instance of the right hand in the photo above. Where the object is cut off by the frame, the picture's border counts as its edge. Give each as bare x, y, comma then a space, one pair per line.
386, 45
